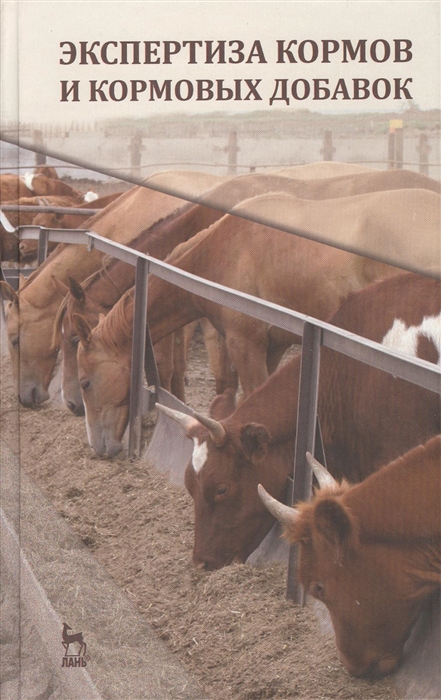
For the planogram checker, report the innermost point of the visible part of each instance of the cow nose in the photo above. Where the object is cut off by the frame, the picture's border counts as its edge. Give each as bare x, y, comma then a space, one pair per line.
372, 670
204, 564
76, 410
385, 666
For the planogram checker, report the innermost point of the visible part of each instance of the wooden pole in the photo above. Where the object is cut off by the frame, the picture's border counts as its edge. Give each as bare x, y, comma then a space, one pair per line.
40, 158
424, 150
135, 152
328, 149
232, 149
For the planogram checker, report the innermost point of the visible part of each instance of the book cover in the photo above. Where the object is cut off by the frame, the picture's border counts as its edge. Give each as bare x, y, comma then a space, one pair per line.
191, 98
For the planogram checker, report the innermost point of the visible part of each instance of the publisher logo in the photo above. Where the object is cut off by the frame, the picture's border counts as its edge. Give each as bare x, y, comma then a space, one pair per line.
74, 648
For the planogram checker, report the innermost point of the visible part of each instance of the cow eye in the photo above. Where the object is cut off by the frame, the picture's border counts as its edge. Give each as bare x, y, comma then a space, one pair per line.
74, 341
15, 341
221, 491
85, 384
317, 590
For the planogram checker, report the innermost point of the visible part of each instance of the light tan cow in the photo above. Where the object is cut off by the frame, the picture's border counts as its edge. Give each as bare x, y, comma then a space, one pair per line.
31, 311
288, 270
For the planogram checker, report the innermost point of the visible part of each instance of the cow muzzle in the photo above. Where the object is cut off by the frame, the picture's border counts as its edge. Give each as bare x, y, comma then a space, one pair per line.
212, 564
32, 396
372, 669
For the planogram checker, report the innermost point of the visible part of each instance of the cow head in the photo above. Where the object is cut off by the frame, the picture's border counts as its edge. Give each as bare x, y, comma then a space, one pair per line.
222, 476
32, 356
104, 376
370, 587
77, 301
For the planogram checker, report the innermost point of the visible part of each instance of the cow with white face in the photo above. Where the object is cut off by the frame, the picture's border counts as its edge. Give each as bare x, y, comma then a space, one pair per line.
367, 418
228, 524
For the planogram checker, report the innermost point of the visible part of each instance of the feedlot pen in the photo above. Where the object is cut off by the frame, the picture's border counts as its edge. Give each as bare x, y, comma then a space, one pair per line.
314, 333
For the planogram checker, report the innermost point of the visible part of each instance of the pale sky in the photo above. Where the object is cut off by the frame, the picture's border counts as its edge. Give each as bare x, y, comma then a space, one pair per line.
32, 31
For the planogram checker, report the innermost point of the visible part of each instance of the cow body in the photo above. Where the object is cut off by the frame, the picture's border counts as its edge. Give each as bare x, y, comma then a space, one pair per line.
13, 187
324, 168
296, 273
367, 417
100, 296
103, 290
372, 554
100, 292
31, 313
72, 221
228, 194
11, 248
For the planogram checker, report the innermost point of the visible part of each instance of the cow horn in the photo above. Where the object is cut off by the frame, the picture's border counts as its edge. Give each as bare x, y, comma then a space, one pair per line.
183, 419
285, 514
216, 429
322, 475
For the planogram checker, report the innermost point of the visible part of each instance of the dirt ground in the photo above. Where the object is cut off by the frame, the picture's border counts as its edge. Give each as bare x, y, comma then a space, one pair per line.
232, 629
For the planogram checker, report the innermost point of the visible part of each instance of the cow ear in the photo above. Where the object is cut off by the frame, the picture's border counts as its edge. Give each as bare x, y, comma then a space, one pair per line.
337, 525
21, 280
8, 293
61, 288
82, 328
76, 290
254, 439
223, 405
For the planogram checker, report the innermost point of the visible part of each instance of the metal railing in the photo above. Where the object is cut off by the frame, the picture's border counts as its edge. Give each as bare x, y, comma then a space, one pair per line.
315, 334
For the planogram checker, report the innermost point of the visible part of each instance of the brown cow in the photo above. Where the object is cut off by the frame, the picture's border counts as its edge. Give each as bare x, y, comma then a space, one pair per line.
228, 194
101, 294
102, 290
47, 171
367, 417
31, 313
31, 185
295, 272
324, 168
10, 246
371, 553
57, 220
28, 247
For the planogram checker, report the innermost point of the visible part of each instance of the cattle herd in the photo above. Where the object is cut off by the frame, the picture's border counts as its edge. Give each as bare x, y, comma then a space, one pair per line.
369, 540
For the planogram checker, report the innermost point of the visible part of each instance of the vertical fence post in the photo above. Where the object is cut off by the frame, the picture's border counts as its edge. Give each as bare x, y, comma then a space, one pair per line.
399, 148
424, 150
305, 440
328, 149
40, 158
395, 144
43, 238
138, 353
232, 149
135, 152
391, 150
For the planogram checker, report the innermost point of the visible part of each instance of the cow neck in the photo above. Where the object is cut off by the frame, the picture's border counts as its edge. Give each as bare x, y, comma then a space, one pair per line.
402, 500
169, 308
274, 404
69, 262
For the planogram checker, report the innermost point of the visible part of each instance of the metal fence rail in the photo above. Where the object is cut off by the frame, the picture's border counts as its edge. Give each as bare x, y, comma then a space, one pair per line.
315, 334
48, 209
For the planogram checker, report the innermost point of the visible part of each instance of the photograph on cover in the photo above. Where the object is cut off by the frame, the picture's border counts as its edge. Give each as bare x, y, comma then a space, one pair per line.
220, 349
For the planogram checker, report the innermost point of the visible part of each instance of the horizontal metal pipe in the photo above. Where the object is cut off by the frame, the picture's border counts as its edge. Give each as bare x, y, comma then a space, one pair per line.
417, 371
49, 209
420, 372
